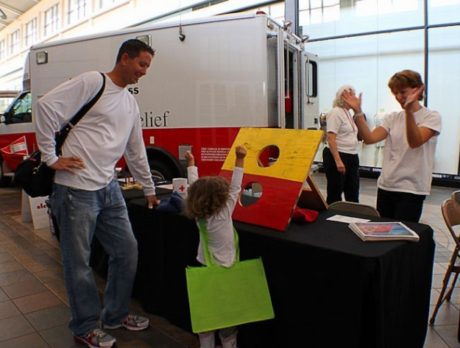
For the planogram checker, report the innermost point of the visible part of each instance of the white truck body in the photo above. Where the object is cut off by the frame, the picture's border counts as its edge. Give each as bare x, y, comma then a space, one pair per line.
228, 72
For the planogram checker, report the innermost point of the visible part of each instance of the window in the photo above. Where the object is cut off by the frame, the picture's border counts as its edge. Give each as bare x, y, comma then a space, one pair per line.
318, 11
444, 11
15, 41
382, 7
77, 10
2, 49
6, 97
31, 32
329, 18
107, 3
20, 111
51, 20
443, 90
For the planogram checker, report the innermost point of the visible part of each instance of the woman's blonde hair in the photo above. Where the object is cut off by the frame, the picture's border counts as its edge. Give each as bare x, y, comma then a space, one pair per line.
338, 101
206, 197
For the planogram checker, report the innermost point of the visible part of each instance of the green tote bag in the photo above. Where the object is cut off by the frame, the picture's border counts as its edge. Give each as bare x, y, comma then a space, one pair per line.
221, 297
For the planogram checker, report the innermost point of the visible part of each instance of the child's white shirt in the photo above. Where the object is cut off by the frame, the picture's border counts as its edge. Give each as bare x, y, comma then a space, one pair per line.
221, 242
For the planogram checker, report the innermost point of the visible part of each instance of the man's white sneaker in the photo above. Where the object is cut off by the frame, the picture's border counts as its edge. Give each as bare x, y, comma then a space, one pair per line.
95, 339
132, 323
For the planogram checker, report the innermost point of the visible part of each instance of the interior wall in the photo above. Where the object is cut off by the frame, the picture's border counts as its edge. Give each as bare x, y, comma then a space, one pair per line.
363, 44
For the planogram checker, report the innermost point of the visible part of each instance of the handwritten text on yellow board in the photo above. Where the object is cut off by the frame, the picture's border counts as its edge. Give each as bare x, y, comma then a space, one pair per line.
297, 150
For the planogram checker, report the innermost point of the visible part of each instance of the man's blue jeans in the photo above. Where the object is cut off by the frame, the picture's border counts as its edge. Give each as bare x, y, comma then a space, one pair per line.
80, 216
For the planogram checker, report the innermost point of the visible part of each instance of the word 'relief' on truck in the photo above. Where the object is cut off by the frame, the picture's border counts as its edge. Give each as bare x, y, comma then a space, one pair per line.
209, 78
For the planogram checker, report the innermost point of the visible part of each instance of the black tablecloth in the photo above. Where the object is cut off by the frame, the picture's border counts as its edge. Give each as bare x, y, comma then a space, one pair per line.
328, 288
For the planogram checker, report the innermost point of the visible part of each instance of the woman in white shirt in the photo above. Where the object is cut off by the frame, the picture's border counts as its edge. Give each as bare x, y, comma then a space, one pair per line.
410, 142
340, 157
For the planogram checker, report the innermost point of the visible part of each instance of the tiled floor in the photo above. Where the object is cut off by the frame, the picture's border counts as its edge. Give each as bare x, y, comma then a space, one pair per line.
34, 309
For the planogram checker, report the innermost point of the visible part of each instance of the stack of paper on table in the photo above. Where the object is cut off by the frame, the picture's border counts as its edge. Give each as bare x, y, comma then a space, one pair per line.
381, 231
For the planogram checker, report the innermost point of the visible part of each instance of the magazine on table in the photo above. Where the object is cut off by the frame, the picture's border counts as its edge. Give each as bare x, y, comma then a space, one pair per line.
381, 231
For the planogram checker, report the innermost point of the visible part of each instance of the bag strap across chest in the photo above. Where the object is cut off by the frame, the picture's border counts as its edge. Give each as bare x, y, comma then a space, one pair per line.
209, 259
61, 136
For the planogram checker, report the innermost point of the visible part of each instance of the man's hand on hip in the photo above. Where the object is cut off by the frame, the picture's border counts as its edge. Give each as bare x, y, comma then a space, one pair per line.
68, 163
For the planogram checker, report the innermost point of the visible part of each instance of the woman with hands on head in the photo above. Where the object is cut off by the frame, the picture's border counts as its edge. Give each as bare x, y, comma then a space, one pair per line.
410, 142
340, 157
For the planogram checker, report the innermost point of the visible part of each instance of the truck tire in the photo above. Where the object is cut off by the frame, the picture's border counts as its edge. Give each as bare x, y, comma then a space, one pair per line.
4, 180
161, 171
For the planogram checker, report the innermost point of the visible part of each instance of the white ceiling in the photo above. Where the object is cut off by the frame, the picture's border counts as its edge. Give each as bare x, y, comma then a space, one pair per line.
12, 9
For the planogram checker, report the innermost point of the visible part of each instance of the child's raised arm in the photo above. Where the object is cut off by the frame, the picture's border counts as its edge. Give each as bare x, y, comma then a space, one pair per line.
240, 152
190, 159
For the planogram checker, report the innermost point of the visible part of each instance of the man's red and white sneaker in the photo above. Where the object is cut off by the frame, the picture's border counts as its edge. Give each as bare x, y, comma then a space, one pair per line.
132, 323
95, 339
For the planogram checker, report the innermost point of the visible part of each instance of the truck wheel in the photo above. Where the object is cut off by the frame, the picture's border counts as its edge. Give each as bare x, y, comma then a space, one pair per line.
161, 171
4, 180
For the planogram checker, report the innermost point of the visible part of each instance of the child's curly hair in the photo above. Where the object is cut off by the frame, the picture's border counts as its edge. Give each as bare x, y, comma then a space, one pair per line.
206, 197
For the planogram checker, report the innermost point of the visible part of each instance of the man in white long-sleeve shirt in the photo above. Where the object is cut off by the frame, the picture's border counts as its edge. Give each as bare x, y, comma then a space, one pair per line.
86, 198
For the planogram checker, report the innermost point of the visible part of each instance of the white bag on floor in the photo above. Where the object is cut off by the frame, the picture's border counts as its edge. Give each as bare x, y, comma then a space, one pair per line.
39, 212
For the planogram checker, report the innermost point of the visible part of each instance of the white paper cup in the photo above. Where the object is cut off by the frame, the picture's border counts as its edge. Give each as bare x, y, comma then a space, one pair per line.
179, 185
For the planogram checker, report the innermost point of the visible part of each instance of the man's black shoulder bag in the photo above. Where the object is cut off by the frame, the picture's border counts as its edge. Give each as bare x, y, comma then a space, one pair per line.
33, 175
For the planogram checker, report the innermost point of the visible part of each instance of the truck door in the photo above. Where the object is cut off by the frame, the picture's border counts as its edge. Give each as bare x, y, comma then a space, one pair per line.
297, 87
291, 87
309, 92
288, 68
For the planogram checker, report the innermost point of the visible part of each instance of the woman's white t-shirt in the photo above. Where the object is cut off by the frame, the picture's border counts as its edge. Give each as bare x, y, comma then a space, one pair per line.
406, 169
340, 122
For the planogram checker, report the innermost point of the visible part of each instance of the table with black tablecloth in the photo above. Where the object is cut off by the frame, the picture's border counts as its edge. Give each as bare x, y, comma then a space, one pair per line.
328, 288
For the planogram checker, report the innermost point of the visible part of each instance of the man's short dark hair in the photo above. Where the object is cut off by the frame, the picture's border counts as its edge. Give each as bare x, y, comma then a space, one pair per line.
133, 47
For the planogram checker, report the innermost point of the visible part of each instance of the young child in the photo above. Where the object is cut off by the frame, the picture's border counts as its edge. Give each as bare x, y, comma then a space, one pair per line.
213, 200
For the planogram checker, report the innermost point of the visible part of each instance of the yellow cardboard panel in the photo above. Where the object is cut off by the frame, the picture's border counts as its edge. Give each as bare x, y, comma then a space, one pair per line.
297, 150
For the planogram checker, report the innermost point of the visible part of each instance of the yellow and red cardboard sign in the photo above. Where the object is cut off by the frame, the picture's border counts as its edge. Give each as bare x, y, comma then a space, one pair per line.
282, 180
